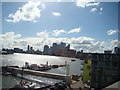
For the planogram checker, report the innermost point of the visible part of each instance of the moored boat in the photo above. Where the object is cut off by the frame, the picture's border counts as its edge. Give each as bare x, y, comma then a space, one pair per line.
36, 67
73, 60
25, 84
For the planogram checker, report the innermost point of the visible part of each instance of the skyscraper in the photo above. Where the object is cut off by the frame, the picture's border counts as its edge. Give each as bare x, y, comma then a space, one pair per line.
46, 49
28, 48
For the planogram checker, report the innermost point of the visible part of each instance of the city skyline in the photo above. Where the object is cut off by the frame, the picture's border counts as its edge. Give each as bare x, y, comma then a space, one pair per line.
91, 27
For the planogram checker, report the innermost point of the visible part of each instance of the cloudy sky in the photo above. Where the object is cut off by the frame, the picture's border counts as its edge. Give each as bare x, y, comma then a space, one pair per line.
88, 26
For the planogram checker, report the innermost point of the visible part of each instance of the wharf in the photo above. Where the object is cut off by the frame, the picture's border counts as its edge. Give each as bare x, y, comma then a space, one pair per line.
74, 85
15, 71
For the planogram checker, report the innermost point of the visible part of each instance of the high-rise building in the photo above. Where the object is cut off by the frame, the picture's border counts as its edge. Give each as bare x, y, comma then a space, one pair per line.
62, 45
68, 47
18, 50
46, 50
104, 70
59, 50
117, 50
51, 50
107, 52
54, 48
31, 48
54, 44
28, 48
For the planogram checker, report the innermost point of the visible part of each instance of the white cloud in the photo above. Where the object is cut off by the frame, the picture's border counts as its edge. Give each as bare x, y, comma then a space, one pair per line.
59, 0
43, 34
76, 30
86, 3
111, 32
58, 32
81, 40
10, 35
93, 10
88, 44
114, 42
8, 39
38, 43
56, 13
101, 9
28, 12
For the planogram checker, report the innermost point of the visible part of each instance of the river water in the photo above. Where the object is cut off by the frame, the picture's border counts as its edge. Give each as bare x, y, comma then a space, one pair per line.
20, 59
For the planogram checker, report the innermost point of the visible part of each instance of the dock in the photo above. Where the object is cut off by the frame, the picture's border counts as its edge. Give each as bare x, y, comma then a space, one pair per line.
33, 80
15, 70
71, 84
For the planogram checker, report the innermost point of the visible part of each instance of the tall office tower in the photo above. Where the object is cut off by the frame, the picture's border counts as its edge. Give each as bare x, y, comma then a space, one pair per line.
117, 50
46, 49
31, 48
54, 44
28, 48
68, 47
62, 45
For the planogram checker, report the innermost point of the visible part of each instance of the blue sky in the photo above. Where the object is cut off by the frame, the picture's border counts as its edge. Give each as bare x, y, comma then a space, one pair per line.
91, 22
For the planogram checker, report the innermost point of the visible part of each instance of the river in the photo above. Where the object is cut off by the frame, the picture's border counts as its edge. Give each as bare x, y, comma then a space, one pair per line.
20, 59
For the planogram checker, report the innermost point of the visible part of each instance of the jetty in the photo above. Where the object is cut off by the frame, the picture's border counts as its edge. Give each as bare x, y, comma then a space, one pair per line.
72, 82
16, 70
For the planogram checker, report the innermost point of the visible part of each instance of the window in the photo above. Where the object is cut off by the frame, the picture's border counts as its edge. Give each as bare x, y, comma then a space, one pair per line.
88, 67
114, 64
95, 62
89, 73
119, 64
107, 64
86, 61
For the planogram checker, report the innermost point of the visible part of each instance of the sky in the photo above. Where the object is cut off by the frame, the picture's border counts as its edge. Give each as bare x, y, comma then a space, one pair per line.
88, 26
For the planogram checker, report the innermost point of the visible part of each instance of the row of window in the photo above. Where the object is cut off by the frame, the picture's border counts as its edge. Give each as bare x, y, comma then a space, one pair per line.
113, 64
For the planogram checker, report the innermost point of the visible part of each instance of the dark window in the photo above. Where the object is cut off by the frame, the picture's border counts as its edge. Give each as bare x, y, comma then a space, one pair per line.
95, 62
114, 64
107, 63
119, 64
86, 61
89, 73
105, 78
107, 56
88, 67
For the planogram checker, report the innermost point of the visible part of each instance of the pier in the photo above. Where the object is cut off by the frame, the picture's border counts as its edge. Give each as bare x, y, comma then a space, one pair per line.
15, 71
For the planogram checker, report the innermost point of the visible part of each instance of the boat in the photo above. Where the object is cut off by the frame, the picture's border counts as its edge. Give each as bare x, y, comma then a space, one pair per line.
36, 67
73, 60
58, 86
43, 68
62, 65
25, 84
54, 66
